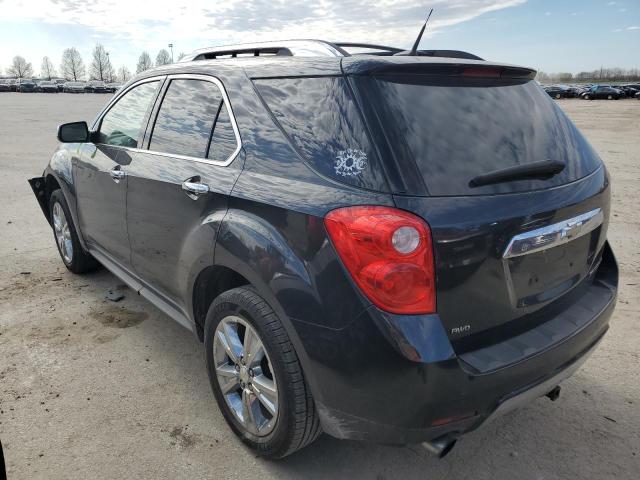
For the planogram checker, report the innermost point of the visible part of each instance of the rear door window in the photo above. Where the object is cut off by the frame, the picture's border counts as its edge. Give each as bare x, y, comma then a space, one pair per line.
122, 125
323, 123
186, 117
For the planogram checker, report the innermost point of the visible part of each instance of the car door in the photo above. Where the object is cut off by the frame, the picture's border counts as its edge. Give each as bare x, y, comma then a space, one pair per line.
100, 172
178, 187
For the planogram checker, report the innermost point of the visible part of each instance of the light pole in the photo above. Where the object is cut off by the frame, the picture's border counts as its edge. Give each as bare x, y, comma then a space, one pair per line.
171, 47
108, 64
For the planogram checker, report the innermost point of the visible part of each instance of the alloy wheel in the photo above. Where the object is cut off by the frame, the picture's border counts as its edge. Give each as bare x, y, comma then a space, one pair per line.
245, 376
63, 233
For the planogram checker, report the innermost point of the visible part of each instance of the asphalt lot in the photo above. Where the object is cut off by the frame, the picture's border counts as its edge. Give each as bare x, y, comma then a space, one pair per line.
95, 389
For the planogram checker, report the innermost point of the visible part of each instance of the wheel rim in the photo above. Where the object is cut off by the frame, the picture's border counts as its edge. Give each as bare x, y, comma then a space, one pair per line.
245, 376
63, 233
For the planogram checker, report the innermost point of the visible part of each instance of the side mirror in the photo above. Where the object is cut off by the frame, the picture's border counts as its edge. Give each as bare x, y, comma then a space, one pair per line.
75, 132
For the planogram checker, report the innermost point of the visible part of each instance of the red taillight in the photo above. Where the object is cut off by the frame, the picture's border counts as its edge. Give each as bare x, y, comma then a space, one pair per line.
389, 254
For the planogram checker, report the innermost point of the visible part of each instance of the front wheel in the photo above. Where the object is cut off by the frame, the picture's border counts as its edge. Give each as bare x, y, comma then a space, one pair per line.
256, 376
64, 232
609, 97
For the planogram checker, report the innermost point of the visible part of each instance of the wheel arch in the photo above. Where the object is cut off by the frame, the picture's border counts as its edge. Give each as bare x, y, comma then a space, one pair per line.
210, 283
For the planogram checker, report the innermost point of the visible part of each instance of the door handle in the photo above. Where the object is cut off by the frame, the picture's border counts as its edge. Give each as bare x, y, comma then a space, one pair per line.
194, 188
117, 174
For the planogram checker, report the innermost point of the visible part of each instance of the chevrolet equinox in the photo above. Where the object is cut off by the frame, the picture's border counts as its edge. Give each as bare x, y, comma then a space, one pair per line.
380, 246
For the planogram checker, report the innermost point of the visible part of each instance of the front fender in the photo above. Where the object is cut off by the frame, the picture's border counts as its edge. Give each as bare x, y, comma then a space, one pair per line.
59, 172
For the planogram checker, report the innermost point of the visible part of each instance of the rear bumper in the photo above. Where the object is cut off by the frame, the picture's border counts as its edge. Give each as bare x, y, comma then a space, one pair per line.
408, 386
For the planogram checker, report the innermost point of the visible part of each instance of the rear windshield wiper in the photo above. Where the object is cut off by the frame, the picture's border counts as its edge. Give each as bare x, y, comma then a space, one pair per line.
539, 170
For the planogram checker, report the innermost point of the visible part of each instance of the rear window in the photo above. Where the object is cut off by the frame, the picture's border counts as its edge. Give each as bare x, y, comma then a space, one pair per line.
454, 129
323, 123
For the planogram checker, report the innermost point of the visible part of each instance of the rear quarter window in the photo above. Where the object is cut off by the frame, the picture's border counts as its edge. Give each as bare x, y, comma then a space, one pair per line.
323, 123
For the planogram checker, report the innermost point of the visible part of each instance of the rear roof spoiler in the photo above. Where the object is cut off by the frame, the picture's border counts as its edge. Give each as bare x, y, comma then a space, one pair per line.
434, 66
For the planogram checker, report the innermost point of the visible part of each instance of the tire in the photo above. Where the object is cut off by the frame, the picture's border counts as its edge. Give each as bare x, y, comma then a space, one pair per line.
558, 96
609, 97
72, 254
295, 423
587, 97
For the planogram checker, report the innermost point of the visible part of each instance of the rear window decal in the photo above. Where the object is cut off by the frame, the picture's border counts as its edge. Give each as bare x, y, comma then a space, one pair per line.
350, 162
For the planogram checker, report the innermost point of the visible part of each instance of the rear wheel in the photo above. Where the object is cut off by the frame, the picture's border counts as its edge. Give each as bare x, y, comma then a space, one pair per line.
256, 376
64, 232
609, 97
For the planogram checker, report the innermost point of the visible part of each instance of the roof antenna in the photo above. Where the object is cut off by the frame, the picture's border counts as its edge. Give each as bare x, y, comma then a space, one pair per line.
414, 49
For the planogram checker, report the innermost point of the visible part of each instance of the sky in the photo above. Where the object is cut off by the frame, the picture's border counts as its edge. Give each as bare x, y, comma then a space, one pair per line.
548, 35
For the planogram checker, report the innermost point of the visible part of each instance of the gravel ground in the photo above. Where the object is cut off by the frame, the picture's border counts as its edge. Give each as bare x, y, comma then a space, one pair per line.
95, 389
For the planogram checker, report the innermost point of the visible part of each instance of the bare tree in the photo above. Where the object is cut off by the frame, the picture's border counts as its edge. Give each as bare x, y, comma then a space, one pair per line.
144, 62
72, 66
20, 68
181, 56
163, 58
100, 68
124, 75
110, 74
47, 69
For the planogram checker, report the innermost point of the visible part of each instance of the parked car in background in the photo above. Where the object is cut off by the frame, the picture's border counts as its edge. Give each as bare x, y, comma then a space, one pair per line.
5, 87
27, 86
638, 95
60, 83
630, 90
563, 91
47, 87
557, 91
96, 86
114, 87
395, 249
13, 84
599, 92
73, 87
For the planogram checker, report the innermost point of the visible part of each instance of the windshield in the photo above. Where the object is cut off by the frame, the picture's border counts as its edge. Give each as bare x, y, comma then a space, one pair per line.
449, 130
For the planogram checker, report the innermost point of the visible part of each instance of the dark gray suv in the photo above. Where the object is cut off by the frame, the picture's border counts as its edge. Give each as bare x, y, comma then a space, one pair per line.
392, 248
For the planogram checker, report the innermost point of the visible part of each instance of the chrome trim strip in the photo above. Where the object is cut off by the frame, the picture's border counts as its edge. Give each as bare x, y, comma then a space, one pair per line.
188, 76
554, 235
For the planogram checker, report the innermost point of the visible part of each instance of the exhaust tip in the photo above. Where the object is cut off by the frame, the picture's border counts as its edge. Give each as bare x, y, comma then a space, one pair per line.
440, 448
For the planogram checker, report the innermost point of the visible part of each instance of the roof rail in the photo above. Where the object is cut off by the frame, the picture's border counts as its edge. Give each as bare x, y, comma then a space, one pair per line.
310, 48
298, 48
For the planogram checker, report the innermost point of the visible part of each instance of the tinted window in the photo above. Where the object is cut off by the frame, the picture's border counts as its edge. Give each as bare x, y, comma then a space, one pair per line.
454, 129
223, 140
324, 124
122, 124
186, 118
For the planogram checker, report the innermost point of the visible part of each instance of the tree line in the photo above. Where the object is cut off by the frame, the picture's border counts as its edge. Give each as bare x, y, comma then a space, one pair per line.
601, 75
72, 66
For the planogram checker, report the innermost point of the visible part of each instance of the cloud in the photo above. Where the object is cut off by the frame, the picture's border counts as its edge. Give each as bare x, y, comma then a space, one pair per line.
203, 22
546, 14
635, 27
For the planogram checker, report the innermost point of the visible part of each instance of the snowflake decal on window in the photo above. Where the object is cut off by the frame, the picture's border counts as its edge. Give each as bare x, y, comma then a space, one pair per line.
350, 162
